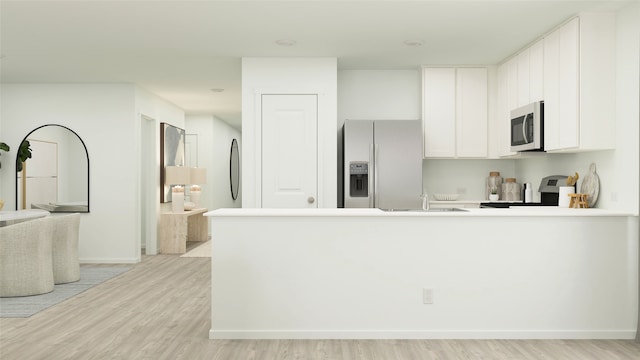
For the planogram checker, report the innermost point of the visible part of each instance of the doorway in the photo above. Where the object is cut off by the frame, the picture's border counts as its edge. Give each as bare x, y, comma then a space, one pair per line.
148, 164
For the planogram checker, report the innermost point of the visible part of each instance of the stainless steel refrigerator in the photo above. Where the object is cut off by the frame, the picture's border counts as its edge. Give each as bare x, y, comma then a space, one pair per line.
383, 164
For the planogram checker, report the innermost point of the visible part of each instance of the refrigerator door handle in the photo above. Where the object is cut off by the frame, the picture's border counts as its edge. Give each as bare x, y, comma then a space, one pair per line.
376, 193
371, 175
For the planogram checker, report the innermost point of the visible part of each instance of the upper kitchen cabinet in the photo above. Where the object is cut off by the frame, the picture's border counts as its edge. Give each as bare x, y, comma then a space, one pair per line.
520, 82
579, 84
455, 112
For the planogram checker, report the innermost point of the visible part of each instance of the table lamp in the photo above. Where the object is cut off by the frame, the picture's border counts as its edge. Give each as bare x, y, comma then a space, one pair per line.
198, 176
177, 176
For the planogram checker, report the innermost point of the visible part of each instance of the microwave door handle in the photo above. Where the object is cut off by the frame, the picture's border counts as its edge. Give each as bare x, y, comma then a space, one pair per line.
524, 129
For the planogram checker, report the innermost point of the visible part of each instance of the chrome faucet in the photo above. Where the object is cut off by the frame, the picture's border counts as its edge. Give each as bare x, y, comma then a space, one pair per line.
425, 201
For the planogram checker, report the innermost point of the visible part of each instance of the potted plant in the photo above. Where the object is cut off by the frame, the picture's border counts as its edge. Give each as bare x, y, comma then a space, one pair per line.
24, 153
493, 196
4, 147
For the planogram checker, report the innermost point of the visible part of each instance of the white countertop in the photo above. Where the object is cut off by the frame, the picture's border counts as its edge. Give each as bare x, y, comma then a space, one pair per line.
520, 211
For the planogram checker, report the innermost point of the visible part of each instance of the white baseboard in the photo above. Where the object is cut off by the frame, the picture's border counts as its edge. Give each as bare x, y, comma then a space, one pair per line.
416, 335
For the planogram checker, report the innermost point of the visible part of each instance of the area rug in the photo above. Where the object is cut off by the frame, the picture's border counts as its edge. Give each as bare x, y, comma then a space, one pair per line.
90, 276
203, 250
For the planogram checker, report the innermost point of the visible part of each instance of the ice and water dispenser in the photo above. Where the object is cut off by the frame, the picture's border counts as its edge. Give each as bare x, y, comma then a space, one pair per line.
359, 179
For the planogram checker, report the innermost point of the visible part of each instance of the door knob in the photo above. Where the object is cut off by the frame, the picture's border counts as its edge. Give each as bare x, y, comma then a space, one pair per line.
311, 199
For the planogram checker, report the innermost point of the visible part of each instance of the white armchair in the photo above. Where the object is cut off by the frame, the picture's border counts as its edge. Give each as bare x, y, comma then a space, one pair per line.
26, 258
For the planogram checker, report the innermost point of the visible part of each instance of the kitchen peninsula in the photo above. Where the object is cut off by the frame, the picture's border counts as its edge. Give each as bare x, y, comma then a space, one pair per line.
481, 273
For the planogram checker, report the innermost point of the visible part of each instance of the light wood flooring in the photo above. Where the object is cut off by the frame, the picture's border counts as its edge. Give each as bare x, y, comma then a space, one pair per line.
160, 309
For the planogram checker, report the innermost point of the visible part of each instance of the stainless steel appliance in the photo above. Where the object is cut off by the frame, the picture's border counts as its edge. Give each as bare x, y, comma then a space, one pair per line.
383, 164
527, 127
549, 190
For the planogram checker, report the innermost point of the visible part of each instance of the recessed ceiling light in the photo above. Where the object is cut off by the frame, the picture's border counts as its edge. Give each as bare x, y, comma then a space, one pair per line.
286, 42
414, 42
217, 90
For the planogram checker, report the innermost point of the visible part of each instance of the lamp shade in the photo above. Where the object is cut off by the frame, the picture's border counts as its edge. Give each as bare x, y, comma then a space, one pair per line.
176, 175
198, 176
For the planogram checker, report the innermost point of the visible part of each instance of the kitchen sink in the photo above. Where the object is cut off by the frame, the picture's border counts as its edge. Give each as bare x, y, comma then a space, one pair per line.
430, 210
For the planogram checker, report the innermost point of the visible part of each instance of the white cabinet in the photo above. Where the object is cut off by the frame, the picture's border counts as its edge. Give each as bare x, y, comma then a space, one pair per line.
579, 84
520, 82
526, 72
522, 60
439, 112
561, 87
455, 112
536, 72
471, 112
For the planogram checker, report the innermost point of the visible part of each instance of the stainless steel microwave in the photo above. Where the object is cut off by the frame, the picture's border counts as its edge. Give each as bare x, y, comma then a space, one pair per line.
527, 127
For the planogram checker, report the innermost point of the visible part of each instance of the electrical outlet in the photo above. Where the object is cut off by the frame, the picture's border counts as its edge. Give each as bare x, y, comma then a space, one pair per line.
614, 196
427, 296
461, 191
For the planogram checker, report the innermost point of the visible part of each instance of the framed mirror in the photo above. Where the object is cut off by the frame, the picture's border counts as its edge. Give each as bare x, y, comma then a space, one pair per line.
234, 169
172, 153
56, 177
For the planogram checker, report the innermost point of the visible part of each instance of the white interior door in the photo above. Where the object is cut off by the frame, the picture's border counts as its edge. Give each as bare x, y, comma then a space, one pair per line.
289, 151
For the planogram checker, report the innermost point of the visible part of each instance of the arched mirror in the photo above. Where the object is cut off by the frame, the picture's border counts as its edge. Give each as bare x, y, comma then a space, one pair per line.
234, 169
56, 177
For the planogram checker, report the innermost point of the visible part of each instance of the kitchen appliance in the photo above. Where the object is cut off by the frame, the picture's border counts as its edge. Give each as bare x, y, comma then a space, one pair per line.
527, 127
382, 164
549, 190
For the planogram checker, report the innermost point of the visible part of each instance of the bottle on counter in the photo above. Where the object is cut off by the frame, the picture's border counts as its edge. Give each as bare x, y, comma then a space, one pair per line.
528, 193
494, 181
511, 190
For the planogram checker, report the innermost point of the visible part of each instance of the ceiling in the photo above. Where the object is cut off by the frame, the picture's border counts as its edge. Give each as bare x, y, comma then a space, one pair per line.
180, 50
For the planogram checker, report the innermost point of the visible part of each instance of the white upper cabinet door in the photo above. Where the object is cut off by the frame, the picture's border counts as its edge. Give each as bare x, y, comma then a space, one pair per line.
512, 84
471, 112
439, 89
568, 125
551, 91
561, 53
289, 151
503, 129
523, 77
536, 72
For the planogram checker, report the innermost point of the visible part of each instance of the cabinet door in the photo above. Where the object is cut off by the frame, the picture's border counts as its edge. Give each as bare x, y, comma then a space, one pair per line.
568, 135
439, 112
551, 90
512, 84
523, 78
536, 72
471, 112
503, 130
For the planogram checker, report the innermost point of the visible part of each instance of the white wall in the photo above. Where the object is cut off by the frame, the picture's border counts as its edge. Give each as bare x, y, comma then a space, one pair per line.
465, 177
214, 146
105, 116
379, 95
289, 76
150, 111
